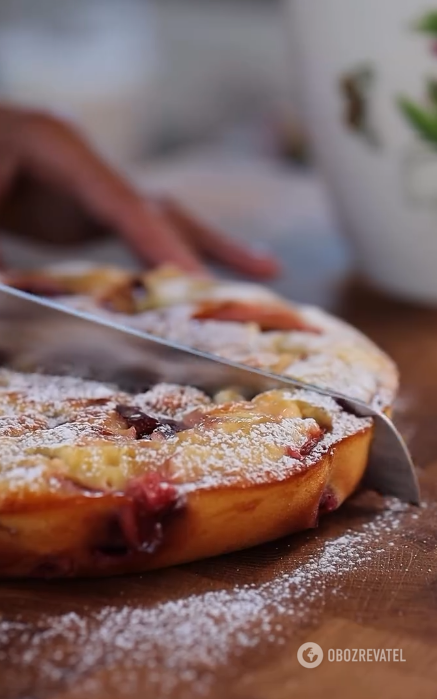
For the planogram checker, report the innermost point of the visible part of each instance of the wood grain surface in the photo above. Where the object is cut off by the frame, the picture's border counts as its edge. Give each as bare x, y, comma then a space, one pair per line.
230, 627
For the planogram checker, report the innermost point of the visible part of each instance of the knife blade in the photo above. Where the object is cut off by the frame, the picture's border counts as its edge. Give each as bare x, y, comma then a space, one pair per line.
38, 334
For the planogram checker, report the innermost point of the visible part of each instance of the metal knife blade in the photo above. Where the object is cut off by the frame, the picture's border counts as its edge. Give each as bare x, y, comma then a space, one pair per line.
40, 334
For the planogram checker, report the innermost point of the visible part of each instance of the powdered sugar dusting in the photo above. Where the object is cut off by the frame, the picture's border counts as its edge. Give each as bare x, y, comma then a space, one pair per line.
53, 388
71, 424
183, 642
172, 401
251, 454
338, 357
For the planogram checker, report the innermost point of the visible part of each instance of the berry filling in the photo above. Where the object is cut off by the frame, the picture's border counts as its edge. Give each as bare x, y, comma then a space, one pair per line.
140, 523
139, 291
146, 425
152, 501
130, 297
315, 436
328, 501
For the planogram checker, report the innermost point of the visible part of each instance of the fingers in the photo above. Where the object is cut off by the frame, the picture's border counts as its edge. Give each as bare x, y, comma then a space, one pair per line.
154, 238
220, 248
7, 174
8, 171
53, 152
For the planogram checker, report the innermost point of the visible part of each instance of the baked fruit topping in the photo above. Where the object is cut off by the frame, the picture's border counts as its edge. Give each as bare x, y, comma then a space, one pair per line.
242, 322
146, 425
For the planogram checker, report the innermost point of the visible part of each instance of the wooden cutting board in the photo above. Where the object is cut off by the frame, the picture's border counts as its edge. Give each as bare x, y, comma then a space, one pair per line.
231, 627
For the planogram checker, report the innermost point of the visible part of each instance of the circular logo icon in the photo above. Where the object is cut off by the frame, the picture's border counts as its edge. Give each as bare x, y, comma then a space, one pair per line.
310, 654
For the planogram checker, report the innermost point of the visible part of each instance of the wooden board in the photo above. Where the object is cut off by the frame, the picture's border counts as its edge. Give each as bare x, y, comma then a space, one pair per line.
231, 627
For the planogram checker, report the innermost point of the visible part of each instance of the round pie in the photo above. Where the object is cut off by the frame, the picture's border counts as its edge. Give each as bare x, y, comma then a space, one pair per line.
98, 481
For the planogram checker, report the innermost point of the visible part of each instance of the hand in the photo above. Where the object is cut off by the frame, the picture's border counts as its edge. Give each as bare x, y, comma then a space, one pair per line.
54, 185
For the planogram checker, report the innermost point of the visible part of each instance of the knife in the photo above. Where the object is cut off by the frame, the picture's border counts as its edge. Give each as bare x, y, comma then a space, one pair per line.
38, 334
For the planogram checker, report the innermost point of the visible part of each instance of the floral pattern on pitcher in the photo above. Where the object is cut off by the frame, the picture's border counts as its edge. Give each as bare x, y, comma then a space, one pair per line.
356, 88
421, 159
423, 117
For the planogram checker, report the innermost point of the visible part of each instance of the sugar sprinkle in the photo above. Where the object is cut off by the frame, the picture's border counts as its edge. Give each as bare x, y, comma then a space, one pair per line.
182, 642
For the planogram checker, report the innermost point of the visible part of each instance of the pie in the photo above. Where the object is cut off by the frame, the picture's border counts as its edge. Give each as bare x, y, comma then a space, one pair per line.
95, 481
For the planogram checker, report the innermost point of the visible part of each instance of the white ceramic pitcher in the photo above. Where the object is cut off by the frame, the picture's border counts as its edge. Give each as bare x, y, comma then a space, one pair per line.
367, 72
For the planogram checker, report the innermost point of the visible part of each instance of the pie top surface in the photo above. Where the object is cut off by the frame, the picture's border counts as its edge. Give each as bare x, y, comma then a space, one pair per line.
243, 322
59, 434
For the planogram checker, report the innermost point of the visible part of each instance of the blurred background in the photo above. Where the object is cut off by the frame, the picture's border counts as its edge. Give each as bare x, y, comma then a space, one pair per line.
196, 97
145, 76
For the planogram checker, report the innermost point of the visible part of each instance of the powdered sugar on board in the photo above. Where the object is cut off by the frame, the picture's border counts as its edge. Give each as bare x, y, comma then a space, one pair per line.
184, 641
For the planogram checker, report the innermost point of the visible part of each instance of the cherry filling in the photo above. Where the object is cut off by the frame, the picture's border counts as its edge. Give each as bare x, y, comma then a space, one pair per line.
150, 499
146, 425
153, 500
138, 290
127, 298
328, 502
139, 524
315, 436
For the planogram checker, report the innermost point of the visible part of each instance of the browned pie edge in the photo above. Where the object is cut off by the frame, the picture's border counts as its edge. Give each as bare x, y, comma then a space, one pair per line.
88, 534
